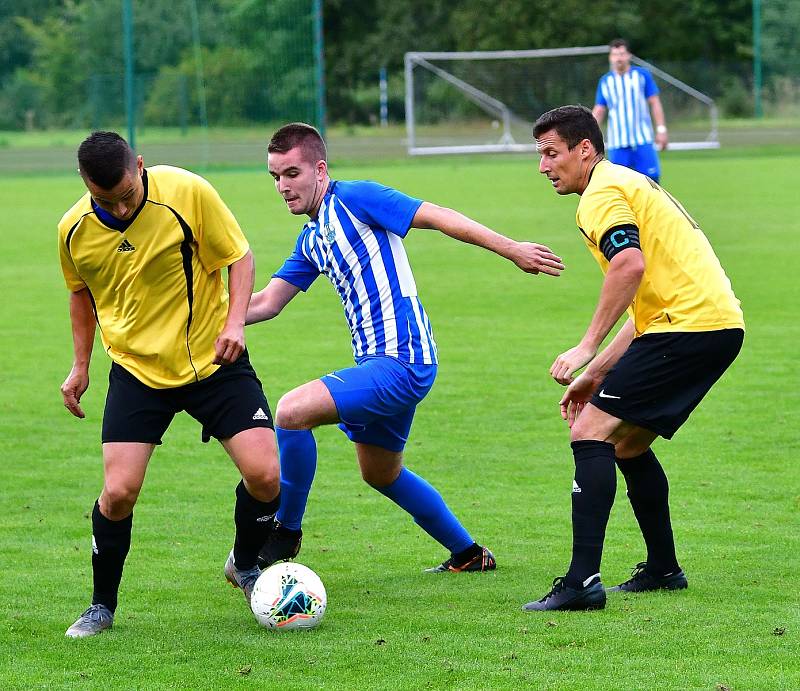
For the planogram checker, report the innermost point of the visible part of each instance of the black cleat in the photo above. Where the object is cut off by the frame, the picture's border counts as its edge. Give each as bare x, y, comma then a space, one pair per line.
642, 581
562, 597
484, 561
282, 544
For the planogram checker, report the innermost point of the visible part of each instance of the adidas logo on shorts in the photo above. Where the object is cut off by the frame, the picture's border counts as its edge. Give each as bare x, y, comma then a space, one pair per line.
576, 488
260, 415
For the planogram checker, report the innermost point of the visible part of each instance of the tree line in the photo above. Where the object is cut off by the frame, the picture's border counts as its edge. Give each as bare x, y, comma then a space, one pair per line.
62, 60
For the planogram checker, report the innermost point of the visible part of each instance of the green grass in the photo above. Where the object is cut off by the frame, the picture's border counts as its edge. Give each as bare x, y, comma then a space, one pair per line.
488, 436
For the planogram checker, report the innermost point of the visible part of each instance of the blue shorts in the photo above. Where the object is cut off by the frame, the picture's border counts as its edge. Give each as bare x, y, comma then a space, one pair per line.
643, 159
377, 398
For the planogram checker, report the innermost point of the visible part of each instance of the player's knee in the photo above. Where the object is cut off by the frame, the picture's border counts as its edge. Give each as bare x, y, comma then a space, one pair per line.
581, 431
630, 448
264, 486
379, 477
290, 413
117, 500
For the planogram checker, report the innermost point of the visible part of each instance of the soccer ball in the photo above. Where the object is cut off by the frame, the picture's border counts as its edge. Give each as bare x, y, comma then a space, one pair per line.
288, 596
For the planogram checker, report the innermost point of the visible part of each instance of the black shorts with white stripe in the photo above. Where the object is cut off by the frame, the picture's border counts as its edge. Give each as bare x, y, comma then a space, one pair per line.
228, 402
661, 377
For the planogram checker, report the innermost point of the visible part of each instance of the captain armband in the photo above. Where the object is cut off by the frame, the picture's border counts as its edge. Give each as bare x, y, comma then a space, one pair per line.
619, 238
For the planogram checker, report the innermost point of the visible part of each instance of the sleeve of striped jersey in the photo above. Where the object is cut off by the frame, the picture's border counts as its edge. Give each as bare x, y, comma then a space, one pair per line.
599, 98
650, 86
298, 269
71, 276
380, 206
603, 209
220, 240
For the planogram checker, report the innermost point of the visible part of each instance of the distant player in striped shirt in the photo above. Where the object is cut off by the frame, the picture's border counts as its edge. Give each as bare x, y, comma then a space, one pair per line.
628, 94
354, 237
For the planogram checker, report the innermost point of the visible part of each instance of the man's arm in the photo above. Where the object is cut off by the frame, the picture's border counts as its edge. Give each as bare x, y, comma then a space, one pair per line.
580, 391
528, 256
607, 358
268, 302
599, 113
657, 111
624, 275
82, 318
230, 342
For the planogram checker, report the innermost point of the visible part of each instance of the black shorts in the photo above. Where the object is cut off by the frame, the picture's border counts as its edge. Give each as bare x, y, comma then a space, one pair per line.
661, 378
228, 402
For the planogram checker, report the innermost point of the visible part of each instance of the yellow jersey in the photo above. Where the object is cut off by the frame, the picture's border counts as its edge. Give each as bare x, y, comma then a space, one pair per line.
156, 280
684, 287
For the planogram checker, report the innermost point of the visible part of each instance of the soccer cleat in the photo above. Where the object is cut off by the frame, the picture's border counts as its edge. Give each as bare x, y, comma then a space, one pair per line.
94, 620
562, 597
481, 562
282, 544
642, 581
244, 578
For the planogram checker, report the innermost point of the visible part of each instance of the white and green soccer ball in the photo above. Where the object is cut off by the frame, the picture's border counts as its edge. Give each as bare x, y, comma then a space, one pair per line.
288, 596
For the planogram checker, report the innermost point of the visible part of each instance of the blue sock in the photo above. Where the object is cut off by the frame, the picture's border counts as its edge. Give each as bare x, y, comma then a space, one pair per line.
426, 506
298, 455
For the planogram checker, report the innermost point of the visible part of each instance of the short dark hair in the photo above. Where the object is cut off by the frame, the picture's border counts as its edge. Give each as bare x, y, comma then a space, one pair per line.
619, 43
573, 124
299, 134
104, 157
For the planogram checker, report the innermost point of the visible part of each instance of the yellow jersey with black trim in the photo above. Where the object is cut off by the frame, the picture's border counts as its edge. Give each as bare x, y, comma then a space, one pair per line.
156, 281
684, 287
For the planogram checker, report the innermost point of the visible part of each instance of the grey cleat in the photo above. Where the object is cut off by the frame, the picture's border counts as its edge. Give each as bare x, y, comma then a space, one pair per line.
244, 578
642, 580
94, 620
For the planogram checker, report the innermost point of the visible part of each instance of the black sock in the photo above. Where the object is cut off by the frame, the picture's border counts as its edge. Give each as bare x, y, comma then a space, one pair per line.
648, 492
251, 517
462, 557
592, 498
111, 541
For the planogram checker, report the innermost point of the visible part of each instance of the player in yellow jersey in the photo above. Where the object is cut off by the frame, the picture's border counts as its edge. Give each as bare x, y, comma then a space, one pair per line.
685, 328
142, 253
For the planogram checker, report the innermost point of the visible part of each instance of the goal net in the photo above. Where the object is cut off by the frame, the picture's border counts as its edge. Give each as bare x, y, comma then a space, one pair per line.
487, 101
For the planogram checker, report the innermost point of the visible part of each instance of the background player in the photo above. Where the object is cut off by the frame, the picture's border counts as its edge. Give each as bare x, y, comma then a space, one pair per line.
628, 94
685, 328
354, 238
142, 254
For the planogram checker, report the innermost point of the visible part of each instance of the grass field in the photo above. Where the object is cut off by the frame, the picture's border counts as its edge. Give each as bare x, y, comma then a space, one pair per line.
488, 436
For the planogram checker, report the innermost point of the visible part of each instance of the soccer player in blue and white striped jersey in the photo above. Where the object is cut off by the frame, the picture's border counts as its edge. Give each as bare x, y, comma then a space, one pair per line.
354, 238
628, 94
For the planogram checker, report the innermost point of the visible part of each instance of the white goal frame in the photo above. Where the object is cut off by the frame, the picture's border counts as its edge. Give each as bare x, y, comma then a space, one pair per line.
500, 111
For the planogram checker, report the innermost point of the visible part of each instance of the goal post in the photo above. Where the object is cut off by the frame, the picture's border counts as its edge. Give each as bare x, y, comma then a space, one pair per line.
487, 101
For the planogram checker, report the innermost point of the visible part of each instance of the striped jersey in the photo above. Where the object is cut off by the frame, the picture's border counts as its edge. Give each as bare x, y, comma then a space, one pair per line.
355, 241
625, 96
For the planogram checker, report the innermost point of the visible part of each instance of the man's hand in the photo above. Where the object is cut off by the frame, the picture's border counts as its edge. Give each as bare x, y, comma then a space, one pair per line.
229, 345
533, 258
73, 388
571, 361
577, 396
662, 139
